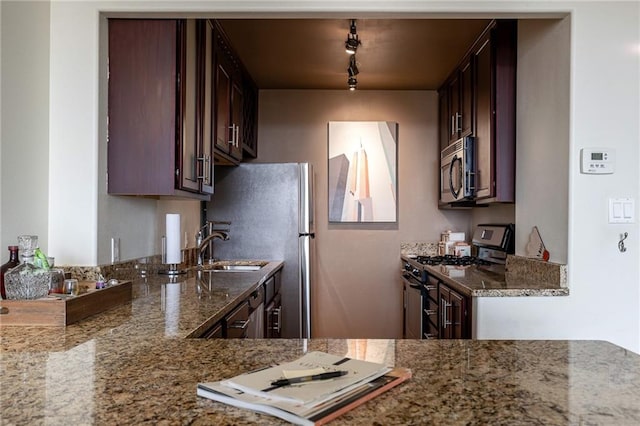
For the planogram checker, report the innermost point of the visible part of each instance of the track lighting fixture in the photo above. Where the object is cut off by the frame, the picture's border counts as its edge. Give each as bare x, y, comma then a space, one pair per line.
352, 43
353, 83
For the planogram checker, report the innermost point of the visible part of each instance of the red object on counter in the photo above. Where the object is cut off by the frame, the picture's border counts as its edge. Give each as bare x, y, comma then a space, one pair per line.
12, 263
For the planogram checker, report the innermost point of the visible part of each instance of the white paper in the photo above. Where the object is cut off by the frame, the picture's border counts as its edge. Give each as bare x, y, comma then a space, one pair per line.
173, 238
258, 382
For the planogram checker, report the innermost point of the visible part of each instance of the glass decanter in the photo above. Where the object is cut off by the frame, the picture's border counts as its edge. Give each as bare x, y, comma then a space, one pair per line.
26, 281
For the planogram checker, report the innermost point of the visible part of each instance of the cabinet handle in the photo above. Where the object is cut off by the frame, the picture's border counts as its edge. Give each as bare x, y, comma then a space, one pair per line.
452, 125
205, 166
276, 320
430, 287
458, 122
233, 135
471, 183
443, 315
236, 134
241, 325
430, 312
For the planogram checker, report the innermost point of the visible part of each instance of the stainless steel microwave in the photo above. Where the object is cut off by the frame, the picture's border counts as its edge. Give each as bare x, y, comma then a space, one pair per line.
457, 171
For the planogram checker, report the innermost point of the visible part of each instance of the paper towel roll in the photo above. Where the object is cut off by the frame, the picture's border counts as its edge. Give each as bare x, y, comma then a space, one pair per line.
173, 238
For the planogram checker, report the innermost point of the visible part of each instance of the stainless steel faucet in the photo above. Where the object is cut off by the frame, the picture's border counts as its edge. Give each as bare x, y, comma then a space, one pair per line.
205, 242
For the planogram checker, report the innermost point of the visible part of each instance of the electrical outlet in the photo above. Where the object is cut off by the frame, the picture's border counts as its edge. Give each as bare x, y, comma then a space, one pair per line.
115, 249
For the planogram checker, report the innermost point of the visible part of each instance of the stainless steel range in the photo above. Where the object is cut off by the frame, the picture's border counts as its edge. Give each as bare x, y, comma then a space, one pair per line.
437, 309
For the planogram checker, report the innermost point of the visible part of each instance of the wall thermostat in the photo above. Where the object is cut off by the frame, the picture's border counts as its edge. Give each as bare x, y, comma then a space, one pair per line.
597, 161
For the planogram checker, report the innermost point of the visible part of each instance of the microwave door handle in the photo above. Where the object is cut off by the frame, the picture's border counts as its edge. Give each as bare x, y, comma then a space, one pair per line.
454, 192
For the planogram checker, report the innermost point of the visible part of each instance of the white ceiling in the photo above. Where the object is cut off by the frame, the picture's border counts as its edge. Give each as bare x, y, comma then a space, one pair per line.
395, 54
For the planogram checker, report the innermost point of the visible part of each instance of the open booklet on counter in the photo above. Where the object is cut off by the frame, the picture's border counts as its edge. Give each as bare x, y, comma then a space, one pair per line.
311, 390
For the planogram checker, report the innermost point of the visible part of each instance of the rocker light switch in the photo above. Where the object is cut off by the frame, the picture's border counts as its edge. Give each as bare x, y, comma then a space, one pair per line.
621, 210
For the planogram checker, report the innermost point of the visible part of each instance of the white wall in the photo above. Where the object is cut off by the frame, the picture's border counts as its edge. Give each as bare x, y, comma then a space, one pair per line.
24, 135
604, 111
542, 134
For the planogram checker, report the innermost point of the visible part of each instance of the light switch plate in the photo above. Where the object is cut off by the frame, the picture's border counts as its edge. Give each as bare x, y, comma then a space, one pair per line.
622, 210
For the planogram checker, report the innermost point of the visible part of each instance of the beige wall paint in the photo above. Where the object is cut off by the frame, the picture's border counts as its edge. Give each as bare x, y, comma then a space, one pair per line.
357, 291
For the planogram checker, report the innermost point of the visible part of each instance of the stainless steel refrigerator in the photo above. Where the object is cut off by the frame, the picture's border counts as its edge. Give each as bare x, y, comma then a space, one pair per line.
271, 210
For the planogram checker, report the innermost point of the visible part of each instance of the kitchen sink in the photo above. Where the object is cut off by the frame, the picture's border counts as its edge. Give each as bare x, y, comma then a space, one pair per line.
234, 266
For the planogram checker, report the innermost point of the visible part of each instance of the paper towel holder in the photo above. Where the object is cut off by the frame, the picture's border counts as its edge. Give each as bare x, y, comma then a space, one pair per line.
173, 267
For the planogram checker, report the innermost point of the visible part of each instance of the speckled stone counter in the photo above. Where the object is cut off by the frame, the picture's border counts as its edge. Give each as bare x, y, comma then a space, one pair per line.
521, 277
115, 377
162, 307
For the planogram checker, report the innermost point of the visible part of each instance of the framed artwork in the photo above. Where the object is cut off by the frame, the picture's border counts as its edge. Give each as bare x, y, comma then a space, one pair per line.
363, 171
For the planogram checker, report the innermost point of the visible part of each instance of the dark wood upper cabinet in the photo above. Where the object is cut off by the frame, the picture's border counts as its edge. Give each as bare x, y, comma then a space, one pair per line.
235, 104
495, 56
155, 110
479, 99
180, 101
455, 104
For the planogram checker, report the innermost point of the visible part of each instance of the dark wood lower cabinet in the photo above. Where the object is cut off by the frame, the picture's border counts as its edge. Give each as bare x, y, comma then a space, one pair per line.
446, 313
455, 310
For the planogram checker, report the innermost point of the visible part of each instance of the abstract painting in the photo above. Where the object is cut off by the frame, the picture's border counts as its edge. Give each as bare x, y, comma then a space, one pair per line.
363, 171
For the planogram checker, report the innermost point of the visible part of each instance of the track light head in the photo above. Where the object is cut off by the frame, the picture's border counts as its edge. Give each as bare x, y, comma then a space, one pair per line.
353, 67
353, 83
352, 43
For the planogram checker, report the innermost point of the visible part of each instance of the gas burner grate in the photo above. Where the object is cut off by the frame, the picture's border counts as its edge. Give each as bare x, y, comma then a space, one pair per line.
451, 260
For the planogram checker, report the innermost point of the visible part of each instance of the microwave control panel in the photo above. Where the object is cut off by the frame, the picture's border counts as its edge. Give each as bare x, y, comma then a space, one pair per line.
597, 161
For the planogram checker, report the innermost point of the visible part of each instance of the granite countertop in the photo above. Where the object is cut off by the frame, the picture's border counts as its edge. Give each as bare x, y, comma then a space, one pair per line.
133, 364
162, 307
520, 277
114, 378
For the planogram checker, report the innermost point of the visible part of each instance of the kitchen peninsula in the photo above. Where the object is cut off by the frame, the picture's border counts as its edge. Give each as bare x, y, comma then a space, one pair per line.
135, 364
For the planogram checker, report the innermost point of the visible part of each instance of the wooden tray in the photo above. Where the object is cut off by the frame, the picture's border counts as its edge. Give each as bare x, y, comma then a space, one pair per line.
60, 311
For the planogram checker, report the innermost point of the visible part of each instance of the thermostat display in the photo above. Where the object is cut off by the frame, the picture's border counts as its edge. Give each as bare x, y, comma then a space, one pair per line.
599, 161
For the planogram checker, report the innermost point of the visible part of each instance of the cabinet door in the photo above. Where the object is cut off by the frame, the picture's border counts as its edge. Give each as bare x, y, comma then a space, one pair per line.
142, 122
273, 318
466, 98
222, 107
237, 128
495, 59
412, 311
443, 118
456, 315
454, 108
484, 120
250, 117
189, 142
207, 79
